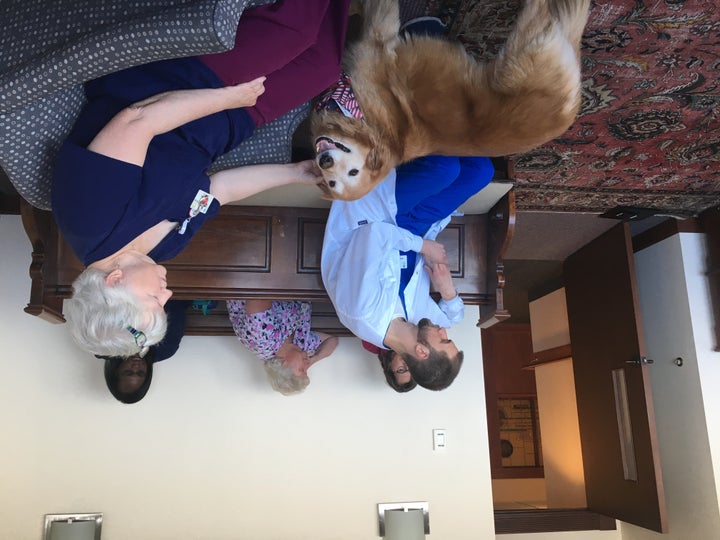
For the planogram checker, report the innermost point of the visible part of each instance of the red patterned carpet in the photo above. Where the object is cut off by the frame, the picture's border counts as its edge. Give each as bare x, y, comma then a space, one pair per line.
649, 130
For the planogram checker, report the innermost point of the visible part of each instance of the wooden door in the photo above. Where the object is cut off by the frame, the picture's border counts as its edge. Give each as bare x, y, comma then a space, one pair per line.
617, 427
507, 350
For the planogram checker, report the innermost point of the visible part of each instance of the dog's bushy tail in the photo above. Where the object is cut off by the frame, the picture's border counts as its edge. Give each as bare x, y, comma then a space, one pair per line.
547, 34
572, 16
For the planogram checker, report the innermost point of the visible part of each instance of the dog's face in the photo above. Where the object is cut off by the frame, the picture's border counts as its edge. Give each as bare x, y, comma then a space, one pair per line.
346, 174
351, 161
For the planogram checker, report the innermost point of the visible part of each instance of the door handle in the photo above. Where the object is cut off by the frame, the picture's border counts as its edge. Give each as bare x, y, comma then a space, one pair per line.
640, 361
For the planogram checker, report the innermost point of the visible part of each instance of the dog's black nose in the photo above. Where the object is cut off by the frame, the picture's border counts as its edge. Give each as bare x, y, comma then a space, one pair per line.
325, 161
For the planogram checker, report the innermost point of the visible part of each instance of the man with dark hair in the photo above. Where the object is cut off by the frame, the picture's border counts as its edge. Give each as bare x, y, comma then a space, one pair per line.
380, 258
433, 369
128, 379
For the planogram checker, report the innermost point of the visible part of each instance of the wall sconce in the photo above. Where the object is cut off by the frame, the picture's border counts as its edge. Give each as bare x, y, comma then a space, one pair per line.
73, 526
403, 521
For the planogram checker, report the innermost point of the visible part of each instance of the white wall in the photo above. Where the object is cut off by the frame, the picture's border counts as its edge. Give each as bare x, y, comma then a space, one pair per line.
708, 357
677, 322
213, 452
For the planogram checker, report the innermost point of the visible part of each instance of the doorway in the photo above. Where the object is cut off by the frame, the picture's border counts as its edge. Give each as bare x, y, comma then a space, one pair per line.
533, 269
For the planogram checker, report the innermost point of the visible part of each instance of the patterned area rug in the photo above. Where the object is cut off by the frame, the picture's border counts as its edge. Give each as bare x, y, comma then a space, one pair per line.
649, 129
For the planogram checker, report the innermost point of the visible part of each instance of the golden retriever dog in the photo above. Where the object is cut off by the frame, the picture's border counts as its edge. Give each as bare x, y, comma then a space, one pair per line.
424, 95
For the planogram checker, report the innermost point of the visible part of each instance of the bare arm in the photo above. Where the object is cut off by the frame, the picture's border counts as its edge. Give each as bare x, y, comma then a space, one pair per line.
326, 348
442, 280
242, 182
127, 136
434, 252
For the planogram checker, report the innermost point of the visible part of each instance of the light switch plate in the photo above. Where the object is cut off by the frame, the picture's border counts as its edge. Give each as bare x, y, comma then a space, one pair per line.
439, 439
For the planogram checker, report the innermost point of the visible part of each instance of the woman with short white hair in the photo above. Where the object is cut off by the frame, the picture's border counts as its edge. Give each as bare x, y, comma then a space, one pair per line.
130, 185
279, 334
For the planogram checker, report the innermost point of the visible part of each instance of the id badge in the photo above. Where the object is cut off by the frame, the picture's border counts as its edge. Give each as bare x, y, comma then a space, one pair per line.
200, 203
403, 262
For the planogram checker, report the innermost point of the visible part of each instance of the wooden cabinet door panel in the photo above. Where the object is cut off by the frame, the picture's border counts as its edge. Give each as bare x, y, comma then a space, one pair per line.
622, 472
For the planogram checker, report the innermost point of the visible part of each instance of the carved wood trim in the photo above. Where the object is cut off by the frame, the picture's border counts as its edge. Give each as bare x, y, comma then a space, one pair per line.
501, 231
37, 225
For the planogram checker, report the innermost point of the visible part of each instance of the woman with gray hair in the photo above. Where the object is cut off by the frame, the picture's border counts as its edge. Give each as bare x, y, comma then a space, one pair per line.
131, 185
279, 334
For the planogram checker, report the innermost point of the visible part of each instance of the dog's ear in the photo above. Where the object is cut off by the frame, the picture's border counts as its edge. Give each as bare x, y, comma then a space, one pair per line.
380, 157
374, 160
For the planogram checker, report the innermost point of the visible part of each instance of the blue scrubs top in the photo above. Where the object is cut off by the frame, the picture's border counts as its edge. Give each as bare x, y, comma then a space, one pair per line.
100, 204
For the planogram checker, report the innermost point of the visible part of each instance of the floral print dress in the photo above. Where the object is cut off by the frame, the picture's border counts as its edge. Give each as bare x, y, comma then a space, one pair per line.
265, 332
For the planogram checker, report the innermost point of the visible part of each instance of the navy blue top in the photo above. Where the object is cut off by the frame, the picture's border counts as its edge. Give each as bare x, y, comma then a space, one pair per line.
176, 315
100, 204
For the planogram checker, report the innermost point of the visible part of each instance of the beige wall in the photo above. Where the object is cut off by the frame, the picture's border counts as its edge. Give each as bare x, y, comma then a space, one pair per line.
213, 452
529, 491
560, 431
549, 321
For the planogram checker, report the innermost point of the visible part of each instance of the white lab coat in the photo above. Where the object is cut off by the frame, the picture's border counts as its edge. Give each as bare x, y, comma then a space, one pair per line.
361, 266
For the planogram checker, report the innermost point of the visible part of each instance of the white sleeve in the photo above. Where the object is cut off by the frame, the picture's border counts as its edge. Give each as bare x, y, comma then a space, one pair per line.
454, 309
394, 237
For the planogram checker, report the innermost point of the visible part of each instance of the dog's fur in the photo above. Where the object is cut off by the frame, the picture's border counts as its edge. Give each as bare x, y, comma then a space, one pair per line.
425, 95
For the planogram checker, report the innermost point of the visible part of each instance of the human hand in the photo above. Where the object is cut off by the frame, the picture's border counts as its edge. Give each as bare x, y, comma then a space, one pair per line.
442, 280
246, 94
434, 252
307, 172
326, 348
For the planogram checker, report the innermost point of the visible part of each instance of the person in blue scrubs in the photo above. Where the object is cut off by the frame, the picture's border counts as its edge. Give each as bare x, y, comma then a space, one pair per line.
130, 185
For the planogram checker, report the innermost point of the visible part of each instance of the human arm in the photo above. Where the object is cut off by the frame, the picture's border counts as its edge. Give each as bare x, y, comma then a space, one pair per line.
441, 280
450, 302
127, 135
328, 344
241, 182
434, 252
